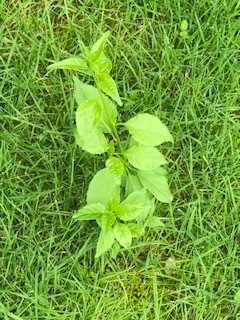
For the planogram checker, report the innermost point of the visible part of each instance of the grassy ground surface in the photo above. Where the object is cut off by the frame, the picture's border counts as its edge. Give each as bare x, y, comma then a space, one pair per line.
190, 269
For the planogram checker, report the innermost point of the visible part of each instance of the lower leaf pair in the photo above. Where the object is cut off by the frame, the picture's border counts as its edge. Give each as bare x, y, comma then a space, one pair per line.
113, 218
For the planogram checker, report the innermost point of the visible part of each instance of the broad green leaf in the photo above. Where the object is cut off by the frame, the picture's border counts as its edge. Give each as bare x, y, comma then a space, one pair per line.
90, 212
70, 64
108, 86
83, 91
98, 46
95, 142
145, 158
89, 137
115, 249
135, 230
79, 140
101, 64
132, 184
116, 168
123, 234
133, 206
154, 222
101, 188
155, 182
108, 115
91, 110
148, 130
133, 142
150, 208
105, 241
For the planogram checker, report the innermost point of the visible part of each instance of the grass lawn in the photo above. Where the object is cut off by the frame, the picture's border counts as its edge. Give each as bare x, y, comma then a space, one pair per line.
191, 268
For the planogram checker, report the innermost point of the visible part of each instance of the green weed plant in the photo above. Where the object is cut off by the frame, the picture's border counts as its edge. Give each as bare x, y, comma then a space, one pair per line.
122, 196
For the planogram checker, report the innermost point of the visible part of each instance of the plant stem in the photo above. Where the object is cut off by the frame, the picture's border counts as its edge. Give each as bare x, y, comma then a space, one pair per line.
115, 132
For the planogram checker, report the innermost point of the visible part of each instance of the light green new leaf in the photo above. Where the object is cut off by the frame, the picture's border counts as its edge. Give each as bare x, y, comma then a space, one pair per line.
105, 241
133, 206
116, 168
89, 137
90, 212
184, 25
107, 220
70, 64
83, 91
101, 64
135, 230
108, 115
148, 130
98, 46
113, 203
101, 188
108, 86
155, 182
154, 222
123, 235
145, 158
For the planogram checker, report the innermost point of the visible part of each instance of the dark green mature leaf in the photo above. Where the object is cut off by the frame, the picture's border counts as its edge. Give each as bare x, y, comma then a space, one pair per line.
123, 234
70, 64
133, 206
101, 188
116, 168
145, 158
105, 241
89, 137
83, 91
155, 182
148, 130
90, 212
108, 86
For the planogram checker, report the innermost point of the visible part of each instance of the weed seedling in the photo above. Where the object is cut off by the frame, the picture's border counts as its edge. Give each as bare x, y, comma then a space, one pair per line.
122, 196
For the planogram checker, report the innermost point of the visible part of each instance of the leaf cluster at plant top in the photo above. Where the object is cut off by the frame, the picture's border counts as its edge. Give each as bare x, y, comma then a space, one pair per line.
121, 197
